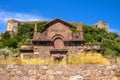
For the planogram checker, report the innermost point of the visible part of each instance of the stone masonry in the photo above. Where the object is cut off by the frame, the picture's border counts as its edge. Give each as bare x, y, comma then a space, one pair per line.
59, 72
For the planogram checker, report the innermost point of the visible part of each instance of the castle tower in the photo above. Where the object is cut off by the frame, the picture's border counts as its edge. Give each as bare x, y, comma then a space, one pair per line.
12, 25
102, 24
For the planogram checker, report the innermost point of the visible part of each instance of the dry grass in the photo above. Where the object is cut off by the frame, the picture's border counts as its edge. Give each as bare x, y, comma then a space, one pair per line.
84, 58
10, 60
34, 61
87, 58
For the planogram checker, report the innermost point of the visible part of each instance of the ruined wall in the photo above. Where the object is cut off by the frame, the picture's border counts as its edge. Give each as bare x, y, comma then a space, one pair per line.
102, 24
12, 25
59, 72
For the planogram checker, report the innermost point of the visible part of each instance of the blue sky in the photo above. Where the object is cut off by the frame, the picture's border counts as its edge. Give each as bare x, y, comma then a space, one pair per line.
85, 11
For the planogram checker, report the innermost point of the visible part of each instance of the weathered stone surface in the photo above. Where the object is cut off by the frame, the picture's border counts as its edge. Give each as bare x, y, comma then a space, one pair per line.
51, 77
32, 78
60, 72
50, 72
45, 67
43, 72
19, 73
4, 76
76, 77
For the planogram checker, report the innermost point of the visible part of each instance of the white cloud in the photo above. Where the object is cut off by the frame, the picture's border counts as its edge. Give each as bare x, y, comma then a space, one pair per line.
5, 15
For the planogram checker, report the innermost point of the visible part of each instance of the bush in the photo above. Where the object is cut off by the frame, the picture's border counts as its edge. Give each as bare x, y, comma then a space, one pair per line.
74, 29
6, 35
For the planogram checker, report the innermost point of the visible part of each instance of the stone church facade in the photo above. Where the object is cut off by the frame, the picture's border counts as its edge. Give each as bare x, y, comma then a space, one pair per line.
56, 41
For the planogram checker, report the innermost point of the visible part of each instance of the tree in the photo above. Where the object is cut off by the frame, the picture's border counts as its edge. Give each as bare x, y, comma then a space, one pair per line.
12, 42
6, 35
98, 38
41, 26
26, 30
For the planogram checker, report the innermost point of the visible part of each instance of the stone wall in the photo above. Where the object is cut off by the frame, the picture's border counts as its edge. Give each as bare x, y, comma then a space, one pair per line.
59, 72
42, 51
74, 49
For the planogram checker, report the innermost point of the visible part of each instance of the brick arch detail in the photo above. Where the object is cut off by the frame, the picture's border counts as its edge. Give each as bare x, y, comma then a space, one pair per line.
58, 42
57, 36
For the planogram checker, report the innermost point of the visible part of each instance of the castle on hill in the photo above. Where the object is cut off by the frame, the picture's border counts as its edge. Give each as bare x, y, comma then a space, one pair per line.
13, 25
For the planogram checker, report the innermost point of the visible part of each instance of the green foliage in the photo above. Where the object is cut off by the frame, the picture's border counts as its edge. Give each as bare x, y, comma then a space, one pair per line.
41, 26
110, 52
6, 35
74, 29
10, 43
98, 38
26, 30
110, 42
24, 35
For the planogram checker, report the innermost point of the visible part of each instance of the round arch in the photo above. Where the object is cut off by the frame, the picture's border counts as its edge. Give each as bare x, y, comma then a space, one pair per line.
57, 36
58, 41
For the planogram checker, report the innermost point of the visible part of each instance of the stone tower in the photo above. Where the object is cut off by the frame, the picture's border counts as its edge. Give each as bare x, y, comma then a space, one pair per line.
12, 25
102, 24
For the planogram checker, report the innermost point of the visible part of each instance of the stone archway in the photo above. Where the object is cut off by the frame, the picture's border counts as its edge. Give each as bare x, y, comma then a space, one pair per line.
58, 53
58, 43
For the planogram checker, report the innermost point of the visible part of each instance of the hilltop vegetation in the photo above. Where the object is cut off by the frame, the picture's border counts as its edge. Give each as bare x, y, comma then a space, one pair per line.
110, 42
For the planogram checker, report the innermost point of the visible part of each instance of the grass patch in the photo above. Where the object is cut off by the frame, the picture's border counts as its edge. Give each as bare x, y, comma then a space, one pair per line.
87, 58
74, 59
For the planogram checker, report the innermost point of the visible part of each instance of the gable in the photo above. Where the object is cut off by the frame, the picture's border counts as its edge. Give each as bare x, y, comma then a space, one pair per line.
59, 28
57, 21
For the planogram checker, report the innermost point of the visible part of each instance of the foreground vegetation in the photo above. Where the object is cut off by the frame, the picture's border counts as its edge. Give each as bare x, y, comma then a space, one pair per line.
84, 58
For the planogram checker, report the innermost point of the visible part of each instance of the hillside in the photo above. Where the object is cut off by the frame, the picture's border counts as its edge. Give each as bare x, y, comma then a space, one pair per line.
110, 42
